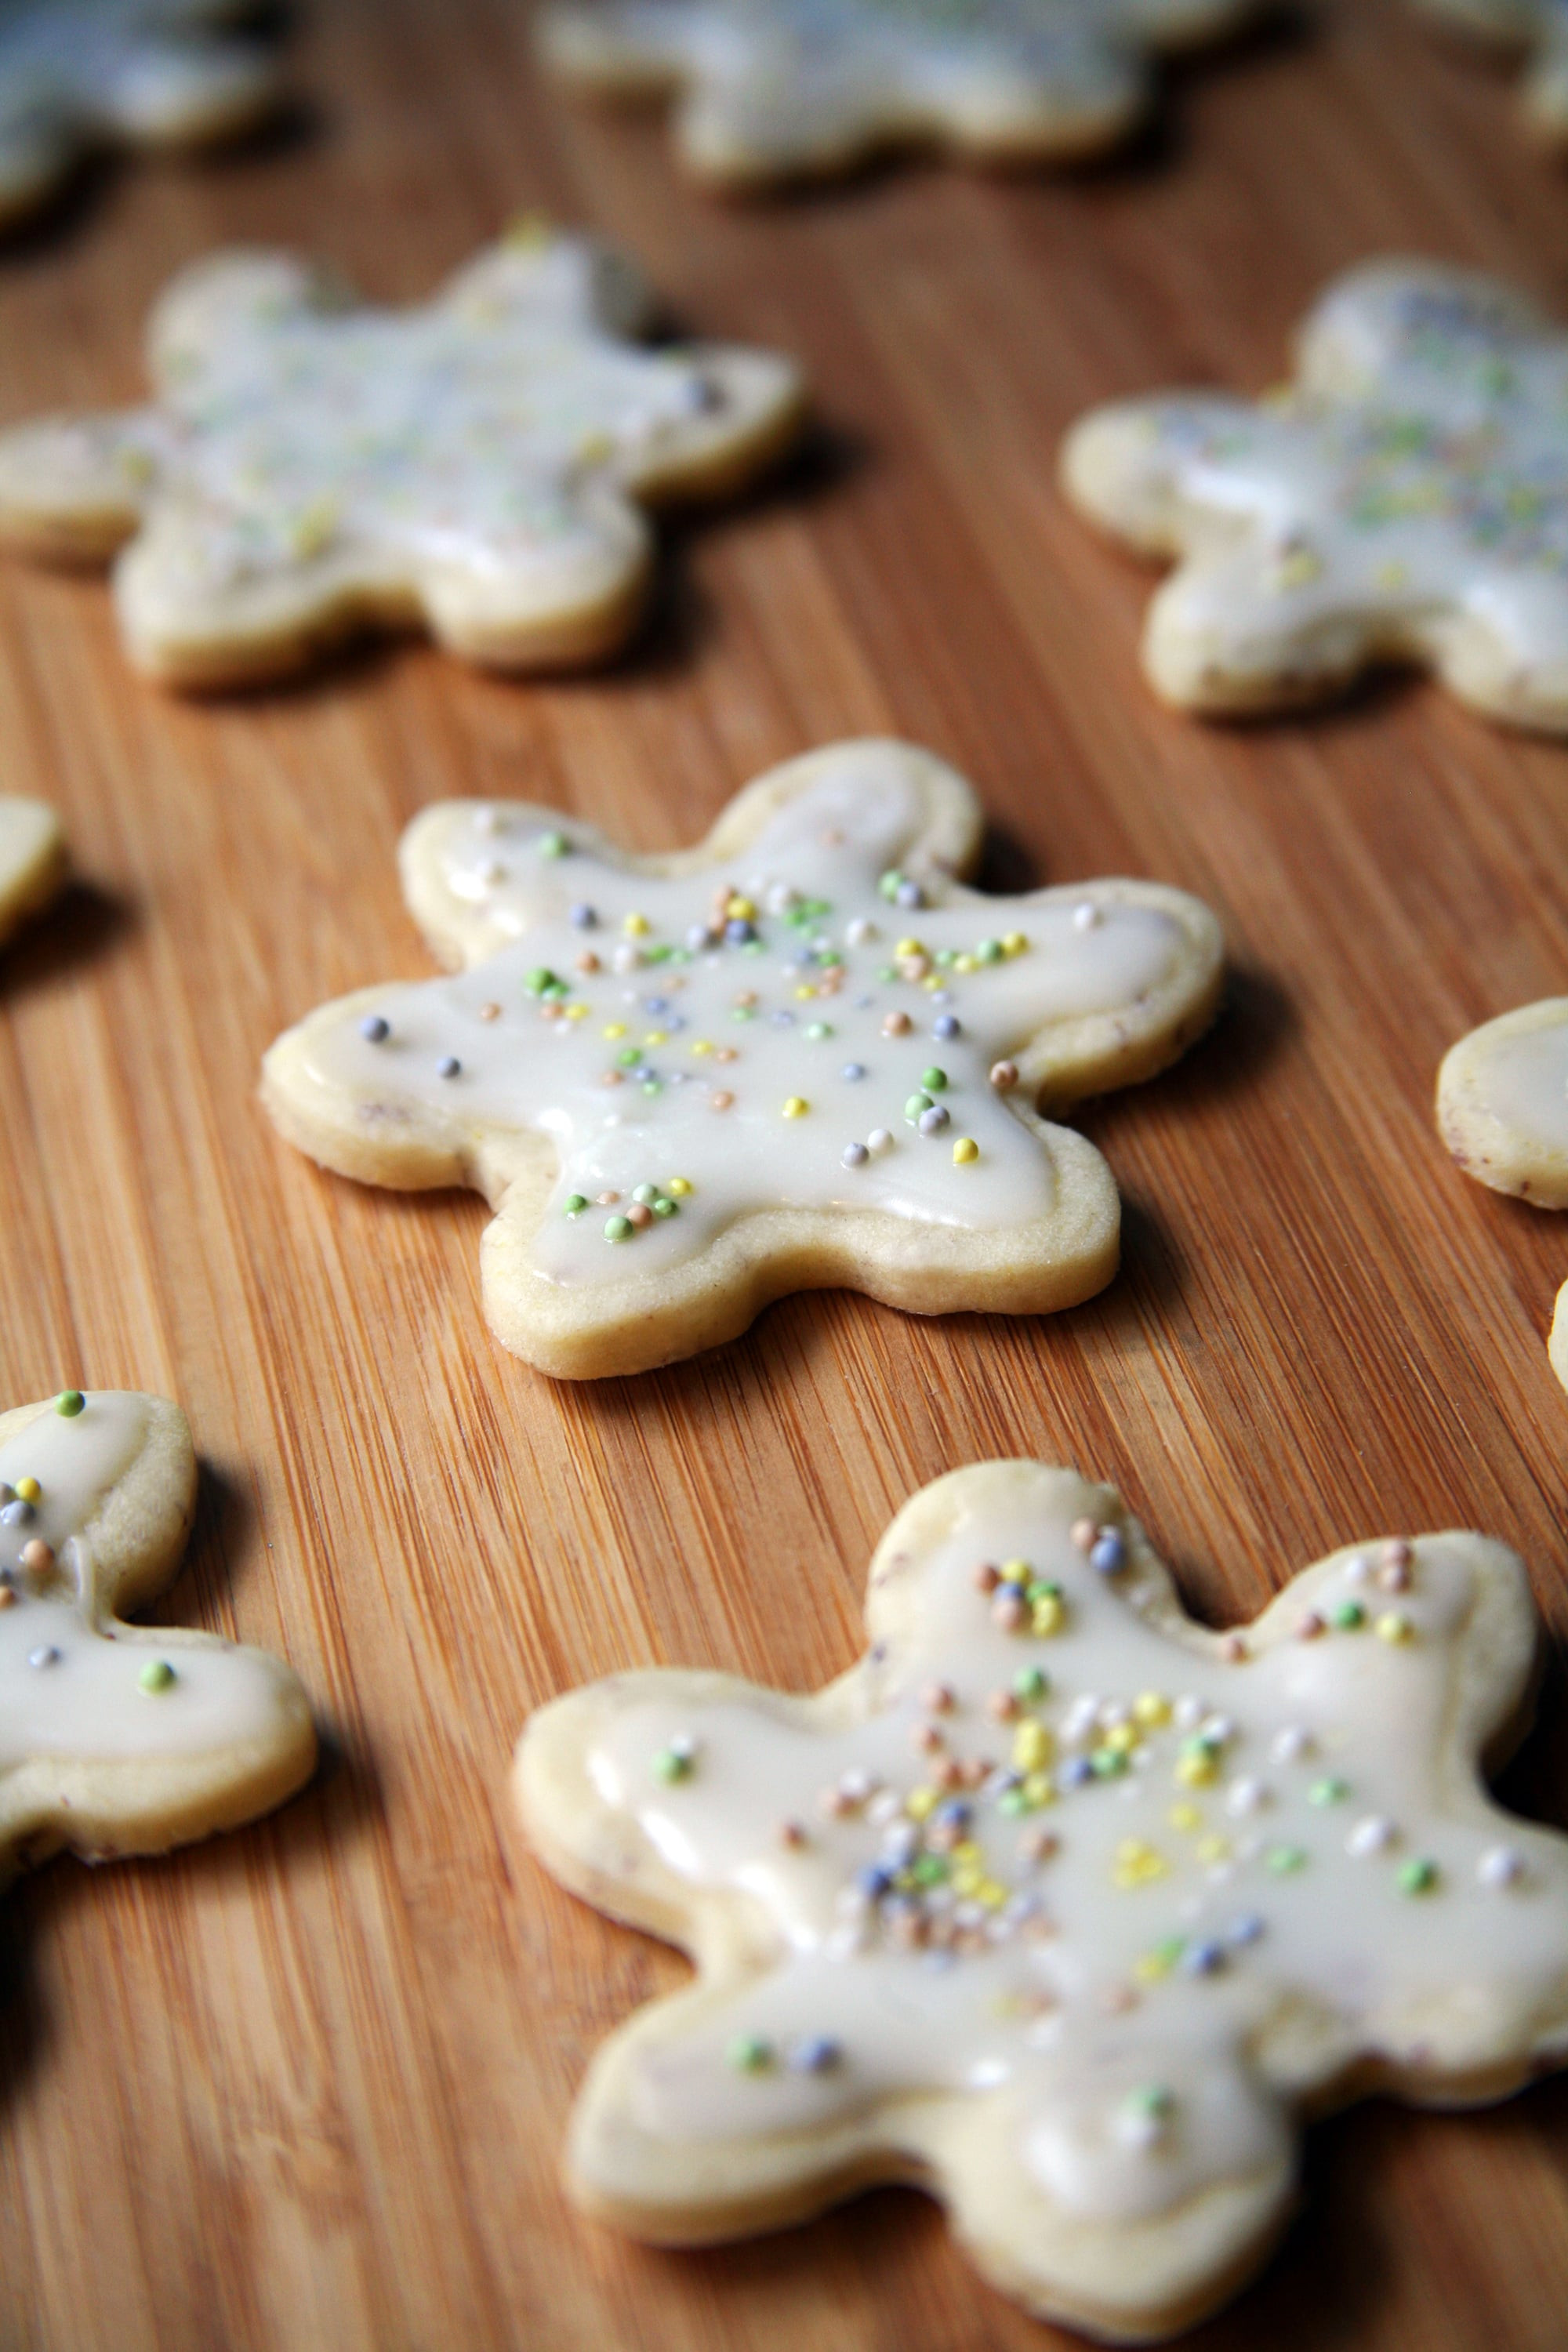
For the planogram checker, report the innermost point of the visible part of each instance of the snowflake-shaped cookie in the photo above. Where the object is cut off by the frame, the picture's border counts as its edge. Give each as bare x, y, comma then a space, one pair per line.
1502, 1110
32, 860
311, 466
770, 89
1058, 1904
119, 1740
1406, 499
78, 74
1538, 29
799, 1055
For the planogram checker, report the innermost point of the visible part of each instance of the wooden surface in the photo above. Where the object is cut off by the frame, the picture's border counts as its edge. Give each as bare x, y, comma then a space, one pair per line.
306, 2087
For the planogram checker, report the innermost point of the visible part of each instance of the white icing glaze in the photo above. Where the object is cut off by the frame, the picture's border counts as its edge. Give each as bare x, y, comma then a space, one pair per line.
1418, 469
69, 1673
485, 434
1085, 954
1522, 1078
783, 81
71, 69
1121, 1992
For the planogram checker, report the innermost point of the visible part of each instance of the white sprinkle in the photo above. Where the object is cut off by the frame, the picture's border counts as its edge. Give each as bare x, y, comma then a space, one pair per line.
1358, 1570
1246, 1795
1217, 1727
1187, 1713
1291, 1744
1500, 1865
1374, 1835
878, 1142
855, 1155
1086, 916
860, 932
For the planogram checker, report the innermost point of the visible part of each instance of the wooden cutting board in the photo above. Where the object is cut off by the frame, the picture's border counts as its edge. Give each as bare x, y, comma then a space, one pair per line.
306, 2087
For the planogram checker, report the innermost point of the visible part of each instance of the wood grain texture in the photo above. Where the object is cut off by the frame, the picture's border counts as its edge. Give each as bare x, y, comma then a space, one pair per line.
307, 2086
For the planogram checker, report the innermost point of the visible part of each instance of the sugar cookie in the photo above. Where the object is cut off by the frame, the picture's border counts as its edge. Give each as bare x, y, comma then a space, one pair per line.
117, 1739
1405, 499
1536, 29
1059, 1905
32, 860
774, 89
796, 1055
1502, 1111
311, 466
79, 74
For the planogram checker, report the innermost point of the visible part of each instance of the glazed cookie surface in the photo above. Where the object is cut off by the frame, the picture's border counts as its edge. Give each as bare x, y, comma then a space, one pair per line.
1536, 29
1502, 1111
121, 1739
32, 860
79, 74
311, 466
774, 89
1405, 498
798, 1056
1059, 1905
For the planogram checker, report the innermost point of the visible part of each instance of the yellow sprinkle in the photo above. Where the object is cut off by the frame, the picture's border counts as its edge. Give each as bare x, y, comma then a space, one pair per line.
1184, 1817
1213, 1849
576, 1013
1152, 1967
1195, 1771
702, 1045
920, 1803
964, 1151
965, 963
28, 1490
796, 1107
678, 1187
969, 1856
654, 1037
1016, 1571
992, 1892
1031, 1746
613, 1029
1150, 1708
907, 948
1392, 1626
965, 1882
740, 909
636, 927
1013, 943
932, 981
803, 991
594, 447
1040, 1789
1122, 1739
1046, 1617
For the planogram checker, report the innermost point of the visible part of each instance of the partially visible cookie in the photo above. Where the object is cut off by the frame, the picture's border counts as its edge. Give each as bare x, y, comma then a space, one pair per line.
1502, 1111
31, 859
1404, 500
799, 1055
1058, 1905
768, 90
79, 74
117, 1739
478, 464
1535, 29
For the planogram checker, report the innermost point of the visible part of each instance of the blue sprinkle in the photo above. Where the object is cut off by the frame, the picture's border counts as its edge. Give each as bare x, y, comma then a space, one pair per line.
48, 1656
448, 1067
643, 1072
783, 1019
1203, 1959
908, 894
1075, 1771
874, 1880
1245, 1931
375, 1029
946, 1025
953, 1814
17, 1514
1108, 1557
656, 1003
738, 932
853, 1071
585, 917
813, 2054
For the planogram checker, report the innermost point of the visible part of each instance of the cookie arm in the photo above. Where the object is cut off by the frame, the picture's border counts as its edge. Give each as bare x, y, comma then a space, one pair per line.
615, 48
189, 91
74, 489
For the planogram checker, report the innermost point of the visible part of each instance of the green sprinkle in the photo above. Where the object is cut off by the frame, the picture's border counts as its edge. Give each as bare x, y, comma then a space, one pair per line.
815, 908
1417, 1877
1107, 1763
917, 1106
1012, 1802
887, 971
672, 1764
1030, 1684
889, 884
933, 1080
664, 1208
539, 979
69, 1403
946, 958
1284, 1860
744, 1012
817, 1030
750, 2055
647, 1194
156, 1675
575, 1204
653, 1086
552, 844
1328, 1792
1153, 2100
663, 953
618, 1229
629, 1056
1169, 1950
988, 951
930, 1869
1348, 1617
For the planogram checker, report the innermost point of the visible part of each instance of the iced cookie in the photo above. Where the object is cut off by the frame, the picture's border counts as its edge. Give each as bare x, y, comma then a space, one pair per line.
1405, 499
1538, 29
1502, 1111
115, 1739
32, 860
79, 74
799, 1055
1058, 1905
772, 89
311, 467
